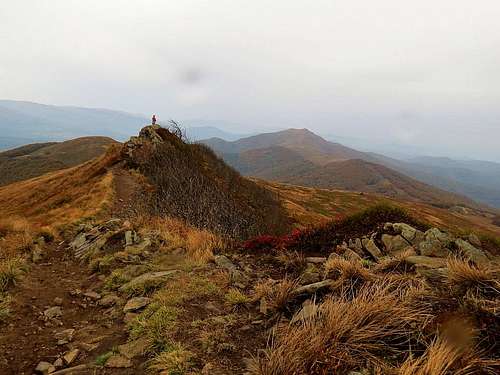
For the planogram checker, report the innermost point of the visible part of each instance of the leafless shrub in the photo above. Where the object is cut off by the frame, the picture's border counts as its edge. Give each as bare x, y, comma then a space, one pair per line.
191, 183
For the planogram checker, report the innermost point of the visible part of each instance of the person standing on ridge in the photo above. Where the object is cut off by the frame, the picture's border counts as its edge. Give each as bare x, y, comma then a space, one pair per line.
153, 120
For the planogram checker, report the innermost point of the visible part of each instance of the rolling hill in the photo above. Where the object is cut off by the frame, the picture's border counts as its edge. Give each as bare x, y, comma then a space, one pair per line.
34, 160
300, 157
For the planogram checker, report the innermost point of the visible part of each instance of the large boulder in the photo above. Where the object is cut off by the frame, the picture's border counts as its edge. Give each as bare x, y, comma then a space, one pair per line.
395, 244
424, 261
435, 244
372, 248
136, 303
410, 234
471, 252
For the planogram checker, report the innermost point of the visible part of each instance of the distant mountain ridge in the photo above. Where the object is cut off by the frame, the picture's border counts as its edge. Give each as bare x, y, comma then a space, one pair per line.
301, 157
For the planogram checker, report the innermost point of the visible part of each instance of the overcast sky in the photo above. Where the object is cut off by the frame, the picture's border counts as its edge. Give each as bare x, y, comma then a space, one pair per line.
419, 73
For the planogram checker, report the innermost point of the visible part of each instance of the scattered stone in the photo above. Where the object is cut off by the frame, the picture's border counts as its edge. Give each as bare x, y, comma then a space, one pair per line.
87, 347
70, 356
109, 300
53, 312
410, 234
435, 234
313, 288
351, 255
140, 247
394, 244
92, 295
59, 363
150, 277
474, 254
432, 274
224, 262
118, 361
435, 244
310, 275
45, 368
128, 238
474, 240
372, 248
135, 348
315, 260
65, 336
136, 303
58, 301
75, 292
309, 309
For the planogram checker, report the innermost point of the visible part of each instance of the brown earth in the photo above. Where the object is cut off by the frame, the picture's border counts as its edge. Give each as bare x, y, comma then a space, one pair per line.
28, 339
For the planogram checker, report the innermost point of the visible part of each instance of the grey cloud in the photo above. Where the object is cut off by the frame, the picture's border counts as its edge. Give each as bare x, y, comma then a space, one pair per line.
347, 67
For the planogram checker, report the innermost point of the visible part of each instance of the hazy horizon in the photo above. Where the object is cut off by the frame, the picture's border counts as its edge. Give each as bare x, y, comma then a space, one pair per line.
419, 75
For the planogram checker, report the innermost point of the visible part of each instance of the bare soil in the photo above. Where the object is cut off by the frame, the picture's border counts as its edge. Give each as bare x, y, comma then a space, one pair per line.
26, 339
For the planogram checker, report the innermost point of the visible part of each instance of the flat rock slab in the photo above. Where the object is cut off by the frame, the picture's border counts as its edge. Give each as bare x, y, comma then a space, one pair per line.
70, 356
429, 262
473, 253
136, 303
45, 368
150, 277
372, 248
313, 288
118, 361
135, 348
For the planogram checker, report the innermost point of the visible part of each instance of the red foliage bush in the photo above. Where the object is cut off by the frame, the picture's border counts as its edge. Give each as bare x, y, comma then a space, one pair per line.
268, 242
324, 238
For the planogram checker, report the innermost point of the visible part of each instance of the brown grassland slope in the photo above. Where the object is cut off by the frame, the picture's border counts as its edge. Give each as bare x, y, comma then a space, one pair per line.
310, 206
34, 160
61, 197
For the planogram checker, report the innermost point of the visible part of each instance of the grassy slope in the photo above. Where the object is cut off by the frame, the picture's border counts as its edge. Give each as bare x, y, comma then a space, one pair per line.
37, 159
60, 197
310, 206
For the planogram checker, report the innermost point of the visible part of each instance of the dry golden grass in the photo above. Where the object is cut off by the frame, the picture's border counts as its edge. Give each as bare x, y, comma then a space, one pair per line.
10, 271
444, 358
395, 264
464, 277
62, 197
276, 295
347, 333
347, 273
16, 236
312, 205
198, 244
292, 260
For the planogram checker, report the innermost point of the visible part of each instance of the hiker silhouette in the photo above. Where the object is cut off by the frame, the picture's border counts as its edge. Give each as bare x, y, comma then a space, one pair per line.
153, 120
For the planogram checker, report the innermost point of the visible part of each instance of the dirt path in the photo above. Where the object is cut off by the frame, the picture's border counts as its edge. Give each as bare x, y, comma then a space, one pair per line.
127, 191
28, 337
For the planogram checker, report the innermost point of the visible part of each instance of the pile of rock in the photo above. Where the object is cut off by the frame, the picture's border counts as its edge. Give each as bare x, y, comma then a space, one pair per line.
429, 248
112, 236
